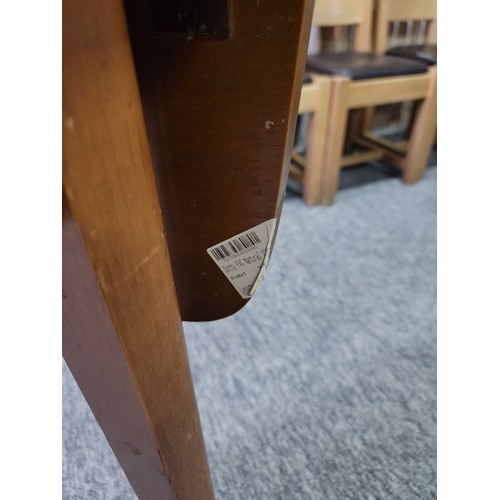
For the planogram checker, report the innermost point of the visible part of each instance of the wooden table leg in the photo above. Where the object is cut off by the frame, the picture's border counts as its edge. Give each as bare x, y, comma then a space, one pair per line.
122, 331
154, 431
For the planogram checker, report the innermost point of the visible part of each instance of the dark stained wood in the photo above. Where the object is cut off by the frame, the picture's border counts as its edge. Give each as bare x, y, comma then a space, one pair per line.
220, 116
122, 330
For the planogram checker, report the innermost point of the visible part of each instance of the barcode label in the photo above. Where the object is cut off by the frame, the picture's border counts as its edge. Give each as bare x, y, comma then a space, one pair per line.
244, 257
236, 246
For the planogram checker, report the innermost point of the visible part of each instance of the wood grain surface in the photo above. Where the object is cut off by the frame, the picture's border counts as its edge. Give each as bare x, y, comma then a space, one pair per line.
122, 330
220, 116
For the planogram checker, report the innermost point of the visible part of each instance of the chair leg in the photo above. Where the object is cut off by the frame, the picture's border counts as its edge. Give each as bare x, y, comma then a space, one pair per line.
316, 142
422, 135
336, 132
368, 118
355, 128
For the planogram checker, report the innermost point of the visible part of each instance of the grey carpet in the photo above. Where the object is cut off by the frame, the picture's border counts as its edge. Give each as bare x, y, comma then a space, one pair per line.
324, 385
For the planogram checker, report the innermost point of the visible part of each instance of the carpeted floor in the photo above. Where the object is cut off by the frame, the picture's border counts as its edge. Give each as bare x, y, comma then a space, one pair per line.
324, 385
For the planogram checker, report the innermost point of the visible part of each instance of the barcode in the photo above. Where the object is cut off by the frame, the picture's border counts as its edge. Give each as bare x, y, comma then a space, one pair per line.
235, 246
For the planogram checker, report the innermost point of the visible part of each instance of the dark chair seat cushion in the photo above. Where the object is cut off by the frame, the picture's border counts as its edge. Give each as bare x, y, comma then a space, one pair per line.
307, 79
423, 53
363, 65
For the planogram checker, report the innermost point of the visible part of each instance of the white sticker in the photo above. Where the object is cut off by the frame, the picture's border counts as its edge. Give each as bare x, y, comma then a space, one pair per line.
243, 258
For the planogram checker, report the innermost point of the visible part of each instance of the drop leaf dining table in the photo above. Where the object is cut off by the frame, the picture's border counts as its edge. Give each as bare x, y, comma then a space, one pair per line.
178, 122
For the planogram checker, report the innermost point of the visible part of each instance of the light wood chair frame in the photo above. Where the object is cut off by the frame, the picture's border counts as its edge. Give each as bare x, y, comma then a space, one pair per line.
398, 11
314, 99
347, 95
404, 13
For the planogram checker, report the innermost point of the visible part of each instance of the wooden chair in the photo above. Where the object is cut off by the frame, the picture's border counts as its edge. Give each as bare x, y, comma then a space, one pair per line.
314, 100
361, 79
406, 28
171, 144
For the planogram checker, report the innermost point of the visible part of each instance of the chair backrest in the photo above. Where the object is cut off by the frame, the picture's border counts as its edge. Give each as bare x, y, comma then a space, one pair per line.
352, 19
404, 22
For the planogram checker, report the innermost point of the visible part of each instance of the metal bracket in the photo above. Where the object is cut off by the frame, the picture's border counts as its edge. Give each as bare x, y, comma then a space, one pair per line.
207, 18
